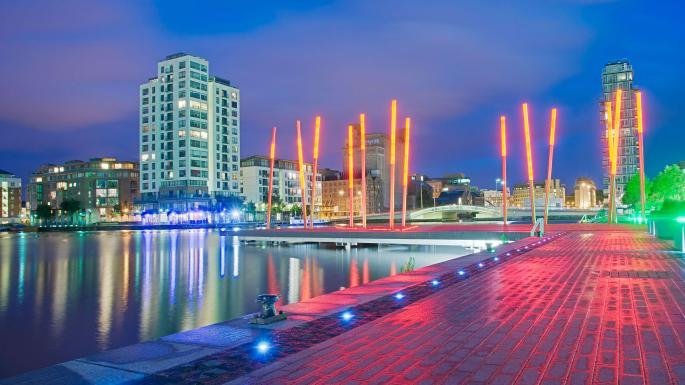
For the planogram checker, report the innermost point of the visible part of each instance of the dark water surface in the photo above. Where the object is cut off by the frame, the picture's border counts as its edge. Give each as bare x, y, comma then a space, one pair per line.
67, 295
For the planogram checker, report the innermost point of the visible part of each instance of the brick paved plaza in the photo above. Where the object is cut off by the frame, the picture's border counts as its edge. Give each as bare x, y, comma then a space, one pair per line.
587, 304
589, 307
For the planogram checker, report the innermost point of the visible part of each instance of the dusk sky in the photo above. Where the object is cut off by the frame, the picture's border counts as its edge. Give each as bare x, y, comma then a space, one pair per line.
70, 73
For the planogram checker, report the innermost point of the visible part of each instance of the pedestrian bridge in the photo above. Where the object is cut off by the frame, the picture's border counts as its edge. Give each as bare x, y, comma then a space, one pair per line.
452, 212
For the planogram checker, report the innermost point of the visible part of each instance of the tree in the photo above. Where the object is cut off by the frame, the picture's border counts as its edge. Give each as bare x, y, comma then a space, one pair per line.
668, 185
44, 211
295, 210
70, 207
251, 209
631, 195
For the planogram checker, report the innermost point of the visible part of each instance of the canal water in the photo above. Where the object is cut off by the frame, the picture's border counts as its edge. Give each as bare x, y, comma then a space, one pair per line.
67, 295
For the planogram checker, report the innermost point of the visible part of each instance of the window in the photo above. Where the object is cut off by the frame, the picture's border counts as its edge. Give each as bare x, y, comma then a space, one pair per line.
182, 64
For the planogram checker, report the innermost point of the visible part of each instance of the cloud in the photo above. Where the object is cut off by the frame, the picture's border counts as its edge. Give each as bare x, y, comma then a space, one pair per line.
69, 64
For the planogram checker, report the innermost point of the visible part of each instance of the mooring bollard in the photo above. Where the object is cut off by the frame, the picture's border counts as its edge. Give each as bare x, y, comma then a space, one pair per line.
268, 313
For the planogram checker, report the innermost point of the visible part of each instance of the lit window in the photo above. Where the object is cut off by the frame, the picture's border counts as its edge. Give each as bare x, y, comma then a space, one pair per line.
181, 104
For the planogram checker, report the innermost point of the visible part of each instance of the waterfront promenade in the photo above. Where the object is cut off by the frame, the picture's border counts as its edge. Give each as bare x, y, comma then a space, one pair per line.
587, 304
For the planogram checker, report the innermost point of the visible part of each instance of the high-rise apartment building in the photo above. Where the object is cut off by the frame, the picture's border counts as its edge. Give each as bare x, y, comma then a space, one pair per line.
189, 136
619, 75
10, 197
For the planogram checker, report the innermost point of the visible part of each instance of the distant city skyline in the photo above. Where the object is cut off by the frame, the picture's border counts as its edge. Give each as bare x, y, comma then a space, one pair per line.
71, 82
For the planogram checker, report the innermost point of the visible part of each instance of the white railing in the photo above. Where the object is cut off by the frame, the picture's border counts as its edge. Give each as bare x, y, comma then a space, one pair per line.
540, 226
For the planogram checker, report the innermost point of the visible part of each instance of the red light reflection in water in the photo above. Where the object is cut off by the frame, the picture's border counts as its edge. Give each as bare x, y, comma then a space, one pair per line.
354, 272
305, 284
365, 271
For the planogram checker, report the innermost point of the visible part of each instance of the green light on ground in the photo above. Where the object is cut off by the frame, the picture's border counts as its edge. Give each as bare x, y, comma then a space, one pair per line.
680, 219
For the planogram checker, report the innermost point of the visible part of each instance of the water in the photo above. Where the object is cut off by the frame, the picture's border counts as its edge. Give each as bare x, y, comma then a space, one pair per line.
67, 295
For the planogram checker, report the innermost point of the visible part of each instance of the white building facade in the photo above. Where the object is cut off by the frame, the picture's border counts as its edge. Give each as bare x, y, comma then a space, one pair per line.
189, 136
255, 182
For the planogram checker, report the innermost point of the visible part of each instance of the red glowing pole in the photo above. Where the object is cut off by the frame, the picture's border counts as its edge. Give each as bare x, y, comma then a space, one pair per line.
503, 139
393, 133
362, 147
405, 175
303, 186
616, 137
640, 130
610, 150
529, 159
272, 158
317, 128
552, 128
350, 172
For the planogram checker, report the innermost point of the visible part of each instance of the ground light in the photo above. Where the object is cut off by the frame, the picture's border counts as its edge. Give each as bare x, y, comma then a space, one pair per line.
347, 316
399, 296
263, 347
480, 264
497, 258
461, 272
435, 282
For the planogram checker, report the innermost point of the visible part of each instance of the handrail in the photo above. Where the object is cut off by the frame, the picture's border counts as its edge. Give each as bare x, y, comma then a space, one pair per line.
539, 224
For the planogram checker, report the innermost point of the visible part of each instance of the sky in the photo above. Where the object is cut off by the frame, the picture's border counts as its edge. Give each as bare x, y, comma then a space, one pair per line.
70, 72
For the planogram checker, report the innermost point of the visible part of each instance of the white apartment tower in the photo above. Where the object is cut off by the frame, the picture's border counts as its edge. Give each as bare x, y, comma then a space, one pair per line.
189, 135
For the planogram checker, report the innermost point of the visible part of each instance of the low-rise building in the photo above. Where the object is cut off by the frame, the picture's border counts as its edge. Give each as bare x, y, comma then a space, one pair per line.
104, 188
335, 197
10, 197
254, 182
585, 193
557, 195
494, 197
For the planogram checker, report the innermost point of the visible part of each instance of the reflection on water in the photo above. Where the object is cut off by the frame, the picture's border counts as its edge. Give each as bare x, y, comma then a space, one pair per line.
66, 295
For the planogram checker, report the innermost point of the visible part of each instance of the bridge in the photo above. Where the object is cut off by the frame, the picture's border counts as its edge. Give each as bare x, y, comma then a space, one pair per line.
476, 236
453, 211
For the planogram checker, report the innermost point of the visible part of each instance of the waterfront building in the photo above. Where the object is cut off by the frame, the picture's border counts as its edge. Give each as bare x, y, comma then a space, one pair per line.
585, 193
335, 197
557, 195
104, 187
378, 161
619, 75
494, 197
570, 201
189, 137
10, 197
254, 181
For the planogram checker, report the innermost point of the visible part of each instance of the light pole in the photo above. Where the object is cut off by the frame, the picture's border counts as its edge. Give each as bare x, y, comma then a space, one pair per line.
421, 191
680, 220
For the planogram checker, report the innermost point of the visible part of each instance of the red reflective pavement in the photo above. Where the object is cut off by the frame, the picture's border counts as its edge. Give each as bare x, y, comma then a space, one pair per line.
590, 307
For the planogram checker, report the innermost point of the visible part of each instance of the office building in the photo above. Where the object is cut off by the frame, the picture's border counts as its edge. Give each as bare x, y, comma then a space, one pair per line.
189, 136
619, 75
104, 187
585, 194
557, 195
254, 180
335, 197
10, 197
378, 161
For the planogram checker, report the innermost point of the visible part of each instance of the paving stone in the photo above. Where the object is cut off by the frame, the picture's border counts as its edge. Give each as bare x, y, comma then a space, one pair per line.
600, 304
